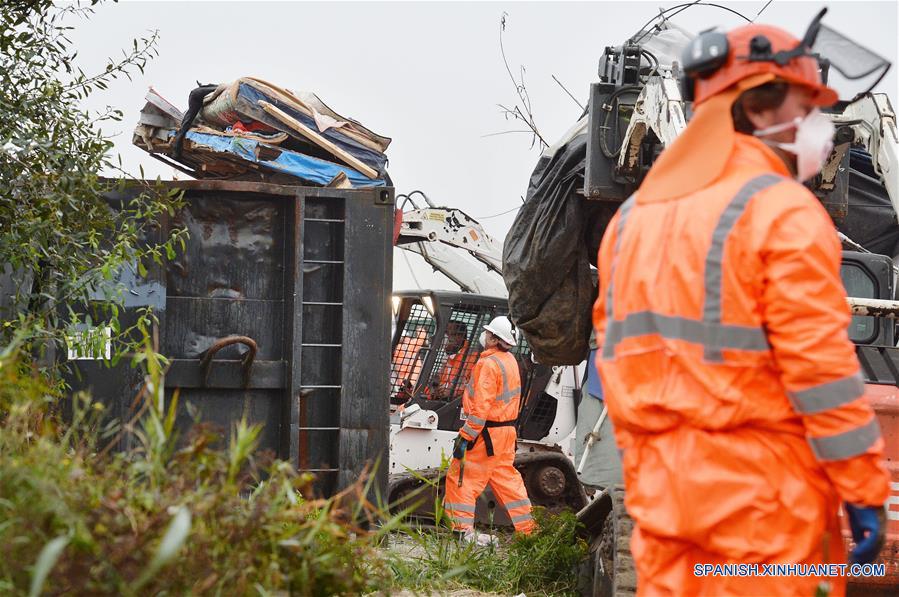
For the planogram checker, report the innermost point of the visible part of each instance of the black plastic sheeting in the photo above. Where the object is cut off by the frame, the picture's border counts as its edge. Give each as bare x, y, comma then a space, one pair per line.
547, 256
555, 238
870, 220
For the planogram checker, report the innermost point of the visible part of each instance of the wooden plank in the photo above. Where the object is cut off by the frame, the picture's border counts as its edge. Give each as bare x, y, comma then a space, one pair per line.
359, 135
340, 182
311, 135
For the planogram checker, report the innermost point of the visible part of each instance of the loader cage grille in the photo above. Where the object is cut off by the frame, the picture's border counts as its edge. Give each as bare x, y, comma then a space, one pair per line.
411, 349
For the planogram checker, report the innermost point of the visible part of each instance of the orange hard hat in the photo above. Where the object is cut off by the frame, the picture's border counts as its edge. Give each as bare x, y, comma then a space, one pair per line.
720, 67
759, 49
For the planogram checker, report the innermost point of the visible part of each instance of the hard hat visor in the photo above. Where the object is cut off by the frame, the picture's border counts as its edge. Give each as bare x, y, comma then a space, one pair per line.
852, 60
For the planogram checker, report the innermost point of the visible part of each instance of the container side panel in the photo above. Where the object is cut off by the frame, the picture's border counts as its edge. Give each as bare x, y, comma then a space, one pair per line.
226, 408
195, 324
236, 247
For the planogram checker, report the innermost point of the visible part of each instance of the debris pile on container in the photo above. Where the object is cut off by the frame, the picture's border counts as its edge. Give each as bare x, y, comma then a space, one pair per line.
254, 130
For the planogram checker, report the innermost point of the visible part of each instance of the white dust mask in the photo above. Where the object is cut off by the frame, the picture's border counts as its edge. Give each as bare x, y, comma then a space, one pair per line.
813, 143
483, 339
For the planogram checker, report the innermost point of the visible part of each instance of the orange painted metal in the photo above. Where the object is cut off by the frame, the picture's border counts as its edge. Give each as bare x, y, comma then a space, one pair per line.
885, 401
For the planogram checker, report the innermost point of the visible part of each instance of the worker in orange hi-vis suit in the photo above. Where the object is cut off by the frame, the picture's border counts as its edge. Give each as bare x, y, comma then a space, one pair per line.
407, 359
484, 451
729, 375
459, 363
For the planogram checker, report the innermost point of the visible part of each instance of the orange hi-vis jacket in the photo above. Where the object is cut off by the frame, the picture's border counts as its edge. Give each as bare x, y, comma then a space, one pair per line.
493, 393
729, 375
456, 365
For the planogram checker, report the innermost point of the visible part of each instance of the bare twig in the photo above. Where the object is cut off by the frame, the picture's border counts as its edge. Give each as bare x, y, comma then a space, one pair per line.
529, 132
138, 58
759, 13
574, 99
526, 115
502, 213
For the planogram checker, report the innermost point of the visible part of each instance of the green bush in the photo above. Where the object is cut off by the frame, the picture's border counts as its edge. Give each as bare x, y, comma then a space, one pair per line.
171, 517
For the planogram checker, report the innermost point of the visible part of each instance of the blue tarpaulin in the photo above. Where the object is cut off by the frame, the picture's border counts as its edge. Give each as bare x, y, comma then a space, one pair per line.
302, 166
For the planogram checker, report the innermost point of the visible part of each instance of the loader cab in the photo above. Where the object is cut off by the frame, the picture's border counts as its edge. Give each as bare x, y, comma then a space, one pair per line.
435, 347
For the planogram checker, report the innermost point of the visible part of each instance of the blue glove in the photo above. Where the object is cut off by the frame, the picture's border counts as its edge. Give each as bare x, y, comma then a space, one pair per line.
868, 524
460, 446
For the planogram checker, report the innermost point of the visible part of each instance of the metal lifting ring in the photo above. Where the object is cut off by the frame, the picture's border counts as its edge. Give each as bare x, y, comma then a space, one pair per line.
246, 364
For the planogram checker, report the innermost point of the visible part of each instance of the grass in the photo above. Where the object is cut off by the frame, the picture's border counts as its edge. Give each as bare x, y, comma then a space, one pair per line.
543, 563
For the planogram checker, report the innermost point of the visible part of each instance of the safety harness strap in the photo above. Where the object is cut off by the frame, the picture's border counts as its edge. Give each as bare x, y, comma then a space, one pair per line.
488, 442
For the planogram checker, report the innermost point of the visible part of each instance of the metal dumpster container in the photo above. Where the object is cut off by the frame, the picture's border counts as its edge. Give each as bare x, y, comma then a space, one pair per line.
278, 310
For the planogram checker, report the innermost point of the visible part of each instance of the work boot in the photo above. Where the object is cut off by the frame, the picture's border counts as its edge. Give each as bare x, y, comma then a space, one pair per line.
480, 539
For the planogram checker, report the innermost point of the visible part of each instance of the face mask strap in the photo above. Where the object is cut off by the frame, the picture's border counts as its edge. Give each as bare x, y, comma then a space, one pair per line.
777, 128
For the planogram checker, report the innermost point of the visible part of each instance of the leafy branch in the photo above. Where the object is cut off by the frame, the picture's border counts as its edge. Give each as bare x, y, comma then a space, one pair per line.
62, 240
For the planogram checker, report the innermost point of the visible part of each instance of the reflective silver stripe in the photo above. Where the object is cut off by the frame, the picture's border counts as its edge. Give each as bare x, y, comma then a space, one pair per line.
507, 394
469, 430
848, 444
476, 420
625, 209
470, 388
714, 260
829, 395
462, 518
458, 507
521, 518
518, 503
710, 335
709, 332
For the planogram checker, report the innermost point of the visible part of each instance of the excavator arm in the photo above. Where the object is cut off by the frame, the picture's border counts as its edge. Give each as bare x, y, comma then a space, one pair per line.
457, 246
873, 123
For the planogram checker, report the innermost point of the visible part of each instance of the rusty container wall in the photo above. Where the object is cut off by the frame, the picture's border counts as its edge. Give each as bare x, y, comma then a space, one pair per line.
302, 276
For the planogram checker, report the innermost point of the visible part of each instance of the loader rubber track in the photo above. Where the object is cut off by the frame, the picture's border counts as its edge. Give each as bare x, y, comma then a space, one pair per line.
609, 569
625, 573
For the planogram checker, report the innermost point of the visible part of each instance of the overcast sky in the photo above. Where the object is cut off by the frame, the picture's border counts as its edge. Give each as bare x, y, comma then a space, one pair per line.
428, 75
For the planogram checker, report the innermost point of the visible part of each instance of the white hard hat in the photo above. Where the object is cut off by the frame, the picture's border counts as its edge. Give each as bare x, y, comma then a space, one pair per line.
502, 328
